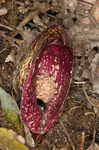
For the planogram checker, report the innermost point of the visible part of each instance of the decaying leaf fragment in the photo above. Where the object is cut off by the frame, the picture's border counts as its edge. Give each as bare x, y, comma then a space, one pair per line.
9, 142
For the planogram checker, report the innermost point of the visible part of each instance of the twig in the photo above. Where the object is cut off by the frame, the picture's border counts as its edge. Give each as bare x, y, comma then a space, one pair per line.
32, 14
87, 97
27, 19
94, 135
93, 20
79, 82
89, 113
9, 38
73, 108
82, 141
67, 134
5, 26
4, 49
19, 3
94, 131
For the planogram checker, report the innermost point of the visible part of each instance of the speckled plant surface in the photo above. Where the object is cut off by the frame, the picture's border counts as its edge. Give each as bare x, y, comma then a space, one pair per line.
52, 59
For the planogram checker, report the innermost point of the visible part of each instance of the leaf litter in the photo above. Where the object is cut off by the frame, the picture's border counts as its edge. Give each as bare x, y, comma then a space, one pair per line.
81, 114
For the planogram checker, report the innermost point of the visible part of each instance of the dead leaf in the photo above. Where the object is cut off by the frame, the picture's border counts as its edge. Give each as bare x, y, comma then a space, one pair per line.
93, 147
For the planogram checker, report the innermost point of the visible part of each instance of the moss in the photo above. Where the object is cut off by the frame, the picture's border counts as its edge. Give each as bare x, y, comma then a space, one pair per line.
14, 119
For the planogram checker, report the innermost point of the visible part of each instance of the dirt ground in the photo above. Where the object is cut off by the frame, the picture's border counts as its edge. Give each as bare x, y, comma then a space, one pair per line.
20, 23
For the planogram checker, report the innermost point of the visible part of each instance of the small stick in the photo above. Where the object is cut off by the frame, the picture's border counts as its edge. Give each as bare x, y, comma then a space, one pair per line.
4, 49
79, 82
93, 20
87, 97
82, 141
9, 38
27, 19
5, 26
32, 14
68, 136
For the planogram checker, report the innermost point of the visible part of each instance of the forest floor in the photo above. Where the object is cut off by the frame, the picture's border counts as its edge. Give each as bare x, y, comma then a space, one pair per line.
20, 23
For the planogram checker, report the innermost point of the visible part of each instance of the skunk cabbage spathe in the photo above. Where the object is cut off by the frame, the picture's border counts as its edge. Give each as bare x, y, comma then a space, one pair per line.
44, 77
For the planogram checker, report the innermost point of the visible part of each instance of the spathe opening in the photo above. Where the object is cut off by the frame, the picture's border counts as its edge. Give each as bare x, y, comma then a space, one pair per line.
41, 104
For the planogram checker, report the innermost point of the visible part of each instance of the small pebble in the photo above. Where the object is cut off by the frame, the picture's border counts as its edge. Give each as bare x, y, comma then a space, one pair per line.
3, 11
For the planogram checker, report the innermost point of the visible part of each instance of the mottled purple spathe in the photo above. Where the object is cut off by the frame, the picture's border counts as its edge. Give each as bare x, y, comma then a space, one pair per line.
52, 55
